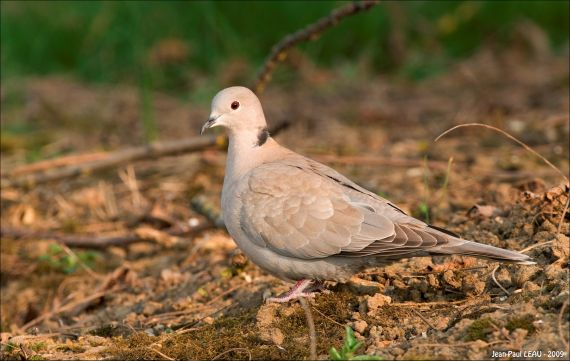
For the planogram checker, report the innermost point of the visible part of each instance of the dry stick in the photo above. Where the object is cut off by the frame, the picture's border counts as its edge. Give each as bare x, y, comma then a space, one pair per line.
57, 162
83, 302
94, 242
109, 284
564, 212
424, 319
311, 324
310, 32
113, 159
508, 136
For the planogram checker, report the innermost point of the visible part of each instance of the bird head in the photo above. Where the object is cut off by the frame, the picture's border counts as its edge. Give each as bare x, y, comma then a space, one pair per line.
237, 109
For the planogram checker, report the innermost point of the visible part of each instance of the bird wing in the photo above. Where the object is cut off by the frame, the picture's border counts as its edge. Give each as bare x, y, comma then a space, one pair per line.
297, 211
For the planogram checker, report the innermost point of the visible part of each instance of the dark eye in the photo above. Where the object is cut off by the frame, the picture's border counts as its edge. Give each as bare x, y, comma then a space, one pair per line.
235, 105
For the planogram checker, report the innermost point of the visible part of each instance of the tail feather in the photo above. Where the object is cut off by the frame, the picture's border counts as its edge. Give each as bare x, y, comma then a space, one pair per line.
468, 248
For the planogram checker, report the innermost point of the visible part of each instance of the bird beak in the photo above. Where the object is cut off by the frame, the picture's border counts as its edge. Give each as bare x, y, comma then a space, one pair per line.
210, 123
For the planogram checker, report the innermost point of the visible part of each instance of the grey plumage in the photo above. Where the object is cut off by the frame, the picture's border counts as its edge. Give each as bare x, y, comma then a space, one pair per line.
299, 219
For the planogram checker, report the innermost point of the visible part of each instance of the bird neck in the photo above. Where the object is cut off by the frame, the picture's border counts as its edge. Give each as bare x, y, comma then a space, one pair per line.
246, 150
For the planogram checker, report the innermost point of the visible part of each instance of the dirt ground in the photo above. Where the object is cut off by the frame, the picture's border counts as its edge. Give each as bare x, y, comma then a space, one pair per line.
194, 296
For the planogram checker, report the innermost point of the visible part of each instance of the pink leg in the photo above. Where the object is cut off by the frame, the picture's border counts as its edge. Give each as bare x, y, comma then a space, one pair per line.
301, 289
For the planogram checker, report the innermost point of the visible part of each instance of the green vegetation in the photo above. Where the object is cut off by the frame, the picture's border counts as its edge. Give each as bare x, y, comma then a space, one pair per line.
57, 259
351, 345
480, 329
166, 44
524, 322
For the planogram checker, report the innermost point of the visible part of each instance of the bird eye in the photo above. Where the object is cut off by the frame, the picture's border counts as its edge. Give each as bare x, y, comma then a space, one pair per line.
235, 105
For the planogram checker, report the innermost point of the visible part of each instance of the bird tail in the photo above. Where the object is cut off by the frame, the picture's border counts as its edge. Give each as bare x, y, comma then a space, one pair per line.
468, 248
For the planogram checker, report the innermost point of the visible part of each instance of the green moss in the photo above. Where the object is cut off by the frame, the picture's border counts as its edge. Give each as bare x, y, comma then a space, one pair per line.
525, 322
479, 329
38, 346
239, 331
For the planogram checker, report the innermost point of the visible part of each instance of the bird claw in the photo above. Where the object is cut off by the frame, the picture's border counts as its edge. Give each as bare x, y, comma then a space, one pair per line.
303, 288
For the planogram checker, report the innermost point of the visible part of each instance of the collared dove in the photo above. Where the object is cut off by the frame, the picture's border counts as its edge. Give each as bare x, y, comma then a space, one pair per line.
303, 221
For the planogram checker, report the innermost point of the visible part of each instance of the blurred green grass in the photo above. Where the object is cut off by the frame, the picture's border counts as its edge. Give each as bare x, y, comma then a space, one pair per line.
112, 41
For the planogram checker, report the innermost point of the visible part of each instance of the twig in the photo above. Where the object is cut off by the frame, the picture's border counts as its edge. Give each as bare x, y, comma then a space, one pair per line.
203, 206
497, 282
310, 32
95, 242
564, 212
57, 162
424, 319
83, 302
121, 156
76, 307
311, 324
116, 158
232, 350
508, 136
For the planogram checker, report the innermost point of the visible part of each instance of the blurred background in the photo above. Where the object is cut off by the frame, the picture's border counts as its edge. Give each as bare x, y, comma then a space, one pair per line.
189, 50
81, 81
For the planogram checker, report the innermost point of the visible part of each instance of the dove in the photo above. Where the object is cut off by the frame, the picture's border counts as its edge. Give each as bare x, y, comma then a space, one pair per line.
304, 222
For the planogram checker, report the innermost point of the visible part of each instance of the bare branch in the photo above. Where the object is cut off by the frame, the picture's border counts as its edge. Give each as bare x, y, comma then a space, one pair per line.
122, 156
94, 242
310, 32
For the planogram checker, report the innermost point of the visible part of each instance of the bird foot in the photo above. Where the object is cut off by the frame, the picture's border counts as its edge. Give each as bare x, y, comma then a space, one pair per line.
303, 288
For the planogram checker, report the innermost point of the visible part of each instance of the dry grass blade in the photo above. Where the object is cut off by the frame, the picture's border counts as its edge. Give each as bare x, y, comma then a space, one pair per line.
497, 282
161, 354
233, 350
508, 136
310, 32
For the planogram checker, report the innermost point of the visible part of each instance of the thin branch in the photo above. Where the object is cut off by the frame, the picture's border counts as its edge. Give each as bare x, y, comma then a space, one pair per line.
110, 283
122, 156
564, 212
311, 324
424, 319
155, 150
95, 242
508, 136
310, 32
